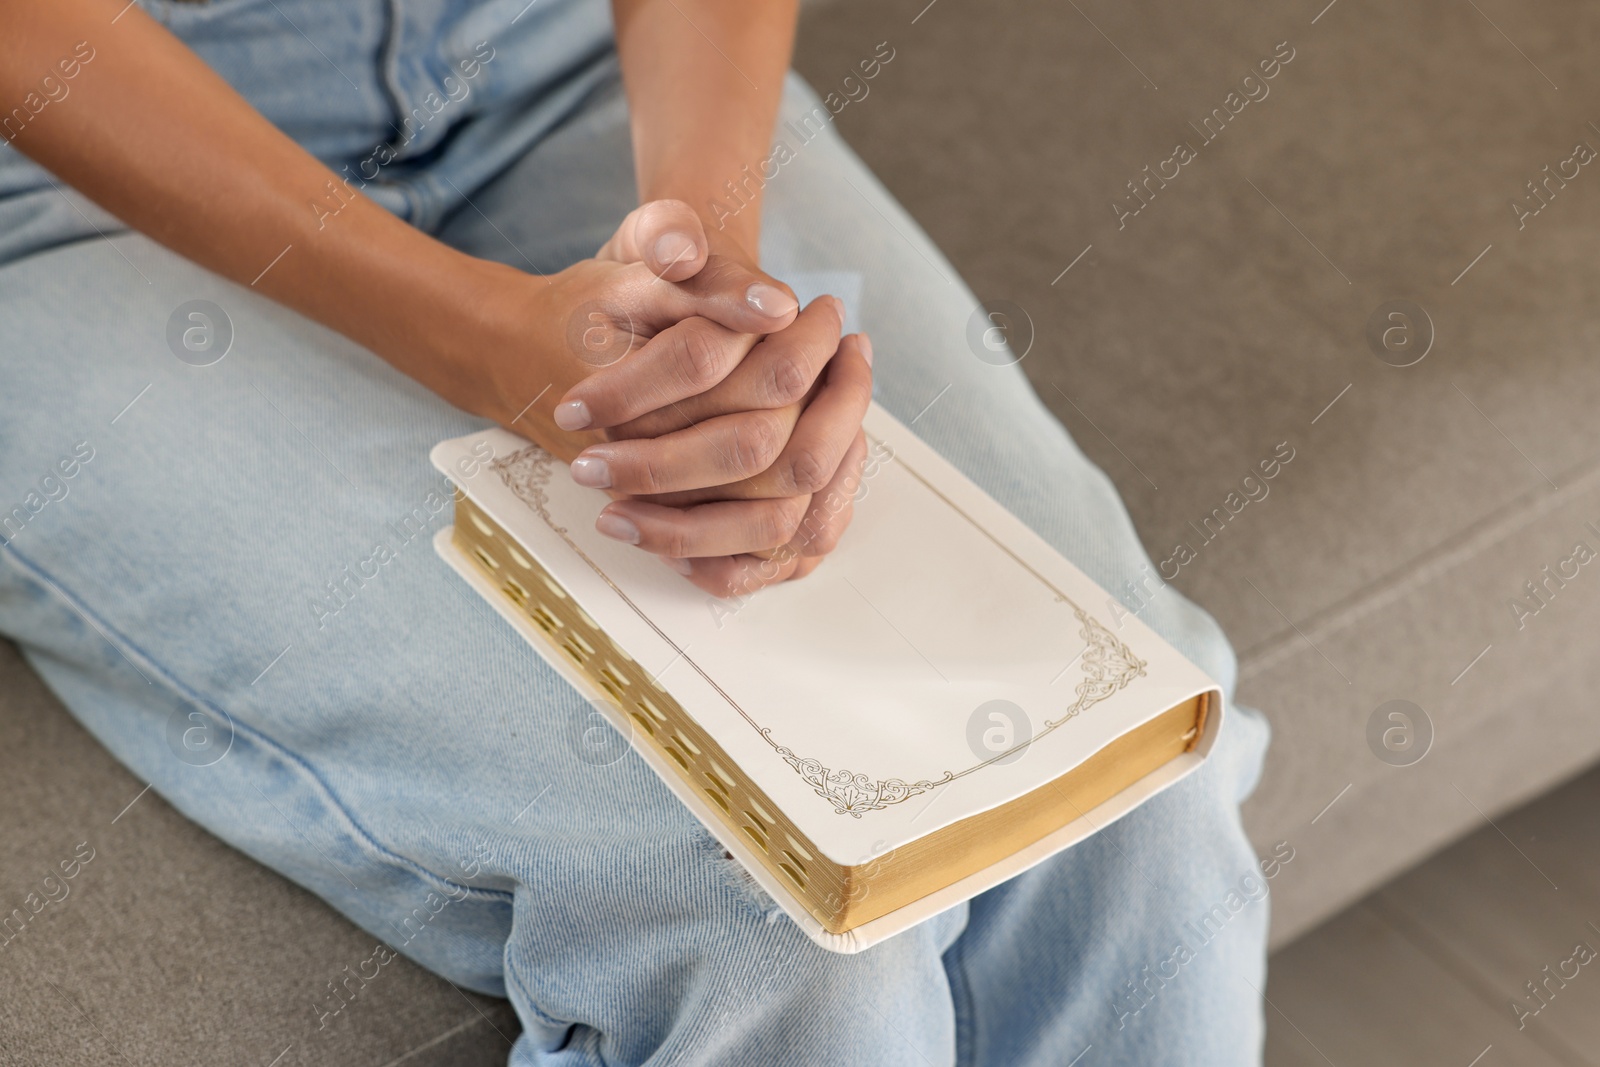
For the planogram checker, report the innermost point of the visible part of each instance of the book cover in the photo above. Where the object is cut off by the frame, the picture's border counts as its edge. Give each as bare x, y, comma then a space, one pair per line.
941, 704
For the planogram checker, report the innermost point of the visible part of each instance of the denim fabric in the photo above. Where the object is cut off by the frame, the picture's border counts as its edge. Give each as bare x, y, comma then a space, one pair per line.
406, 756
417, 100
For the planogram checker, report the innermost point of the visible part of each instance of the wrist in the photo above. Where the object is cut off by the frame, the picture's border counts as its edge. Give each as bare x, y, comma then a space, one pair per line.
446, 313
493, 340
455, 323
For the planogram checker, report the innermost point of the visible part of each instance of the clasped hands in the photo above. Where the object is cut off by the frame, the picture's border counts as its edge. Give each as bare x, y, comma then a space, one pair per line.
723, 419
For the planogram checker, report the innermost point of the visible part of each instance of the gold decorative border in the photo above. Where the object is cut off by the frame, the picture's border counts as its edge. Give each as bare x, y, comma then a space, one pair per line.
1108, 663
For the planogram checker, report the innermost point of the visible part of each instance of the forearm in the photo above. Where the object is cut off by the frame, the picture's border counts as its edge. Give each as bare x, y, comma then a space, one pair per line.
704, 78
157, 138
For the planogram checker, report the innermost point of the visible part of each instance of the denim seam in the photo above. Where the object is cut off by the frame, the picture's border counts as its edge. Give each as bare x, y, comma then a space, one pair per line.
532, 1006
961, 1009
183, 692
731, 873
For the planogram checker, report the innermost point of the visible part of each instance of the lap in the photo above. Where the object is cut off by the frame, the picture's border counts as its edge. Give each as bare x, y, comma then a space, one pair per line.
249, 542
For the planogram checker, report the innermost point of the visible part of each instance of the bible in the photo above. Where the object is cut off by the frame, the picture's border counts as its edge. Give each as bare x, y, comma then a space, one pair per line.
943, 703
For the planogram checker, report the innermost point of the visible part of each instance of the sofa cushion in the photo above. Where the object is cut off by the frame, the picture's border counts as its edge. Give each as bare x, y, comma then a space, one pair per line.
130, 935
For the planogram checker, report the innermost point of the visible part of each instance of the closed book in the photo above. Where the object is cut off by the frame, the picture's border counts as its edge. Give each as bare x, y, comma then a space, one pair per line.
943, 703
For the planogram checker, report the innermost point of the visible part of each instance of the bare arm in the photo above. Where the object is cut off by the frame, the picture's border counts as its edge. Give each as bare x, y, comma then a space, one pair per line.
160, 140
156, 137
704, 78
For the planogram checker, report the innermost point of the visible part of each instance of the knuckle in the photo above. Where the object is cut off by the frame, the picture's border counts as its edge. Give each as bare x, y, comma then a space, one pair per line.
809, 532
829, 515
806, 470
757, 443
698, 353
780, 521
720, 276
788, 382
649, 476
721, 271
825, 539
677, 544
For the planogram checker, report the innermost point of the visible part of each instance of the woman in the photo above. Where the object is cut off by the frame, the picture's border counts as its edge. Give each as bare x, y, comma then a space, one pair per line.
261, 254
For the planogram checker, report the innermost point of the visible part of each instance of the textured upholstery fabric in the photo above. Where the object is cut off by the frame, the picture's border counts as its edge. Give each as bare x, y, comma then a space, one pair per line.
1223, 318
167, 947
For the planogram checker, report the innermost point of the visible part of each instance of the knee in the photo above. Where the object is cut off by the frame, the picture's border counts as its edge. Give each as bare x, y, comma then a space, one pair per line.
672, 951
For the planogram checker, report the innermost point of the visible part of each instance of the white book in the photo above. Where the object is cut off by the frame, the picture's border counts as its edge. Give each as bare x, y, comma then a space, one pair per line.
943, 703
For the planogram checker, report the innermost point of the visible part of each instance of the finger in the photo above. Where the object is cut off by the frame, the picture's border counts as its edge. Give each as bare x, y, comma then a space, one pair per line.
826, 428
681, 361
736, 576
665, 235
826, 517
724, 528
828, 513
730, 448
723, 294
780, 370
723, 290
742, 298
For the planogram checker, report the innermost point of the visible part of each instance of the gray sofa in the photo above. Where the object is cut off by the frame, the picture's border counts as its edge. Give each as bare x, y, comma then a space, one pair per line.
1377, 164
1183, 343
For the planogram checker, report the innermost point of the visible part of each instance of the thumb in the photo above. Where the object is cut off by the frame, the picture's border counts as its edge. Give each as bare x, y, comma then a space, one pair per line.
665, 235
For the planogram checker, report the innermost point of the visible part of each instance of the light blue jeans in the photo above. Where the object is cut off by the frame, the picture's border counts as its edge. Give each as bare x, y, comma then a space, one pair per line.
174, 534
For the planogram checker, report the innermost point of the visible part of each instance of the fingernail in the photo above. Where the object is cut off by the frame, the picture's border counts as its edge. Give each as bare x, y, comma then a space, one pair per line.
866, 348
770, 300
682, 566
592, 471
617, 527
674, 247
838, 305
573, 415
